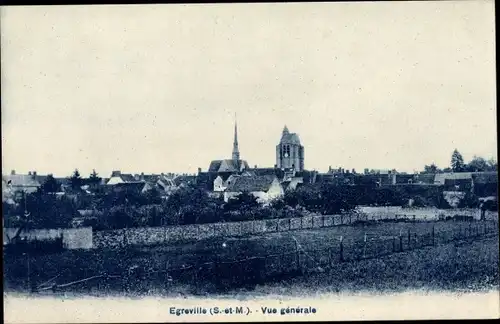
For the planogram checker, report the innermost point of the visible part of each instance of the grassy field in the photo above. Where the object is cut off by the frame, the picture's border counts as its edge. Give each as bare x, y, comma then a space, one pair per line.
146, 269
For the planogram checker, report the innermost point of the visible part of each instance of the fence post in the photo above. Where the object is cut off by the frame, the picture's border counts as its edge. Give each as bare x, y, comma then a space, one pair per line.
301, 222
341, 219
297, 256
364, 246
470, 229
409, 239
393, 244
341, 249
416, 241
401, 240
433, 235
323, 218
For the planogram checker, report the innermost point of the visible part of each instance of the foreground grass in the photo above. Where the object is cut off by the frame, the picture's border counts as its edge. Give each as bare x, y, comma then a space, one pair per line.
457, 267
452, 267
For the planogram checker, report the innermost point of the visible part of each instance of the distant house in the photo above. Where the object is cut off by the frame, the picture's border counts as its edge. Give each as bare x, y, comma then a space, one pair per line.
184, 180
120, 182
118, 177
440, 178
166, 184
264, 188
220, 183
135, 186
424, 178
21, 182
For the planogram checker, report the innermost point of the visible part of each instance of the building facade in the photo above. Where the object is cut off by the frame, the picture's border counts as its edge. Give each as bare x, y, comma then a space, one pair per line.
290, 152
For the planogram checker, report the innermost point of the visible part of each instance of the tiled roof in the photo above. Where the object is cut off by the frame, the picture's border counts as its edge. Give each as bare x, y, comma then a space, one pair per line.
21, 180
128, 177
184, 179
440, 177
214, 166
290, 138
424, 178
264, 171
227, 165
251, 184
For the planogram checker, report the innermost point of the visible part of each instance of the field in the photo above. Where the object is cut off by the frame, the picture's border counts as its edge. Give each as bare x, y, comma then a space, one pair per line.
377, 263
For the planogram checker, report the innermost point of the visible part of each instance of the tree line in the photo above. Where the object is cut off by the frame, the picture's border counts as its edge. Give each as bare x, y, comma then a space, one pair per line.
457, 164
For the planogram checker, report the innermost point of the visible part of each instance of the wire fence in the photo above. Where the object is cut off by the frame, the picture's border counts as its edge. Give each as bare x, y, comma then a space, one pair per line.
293, 262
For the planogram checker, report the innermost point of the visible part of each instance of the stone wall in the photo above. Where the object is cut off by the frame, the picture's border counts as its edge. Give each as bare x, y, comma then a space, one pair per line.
171, 234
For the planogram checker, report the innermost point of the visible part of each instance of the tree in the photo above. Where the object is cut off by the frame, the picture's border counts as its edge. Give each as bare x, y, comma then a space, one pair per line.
75, 180
477, 164
50, 185
492, 165
94, 179
244, 201
457, 161
431, 169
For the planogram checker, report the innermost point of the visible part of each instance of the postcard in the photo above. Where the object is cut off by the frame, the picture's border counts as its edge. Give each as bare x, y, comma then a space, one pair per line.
249, 162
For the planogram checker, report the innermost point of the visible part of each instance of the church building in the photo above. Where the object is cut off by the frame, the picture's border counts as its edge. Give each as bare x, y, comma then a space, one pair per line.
289, 152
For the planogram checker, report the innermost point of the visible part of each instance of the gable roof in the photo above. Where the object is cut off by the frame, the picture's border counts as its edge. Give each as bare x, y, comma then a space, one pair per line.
251, 184
21, 180
184, 179
214, 166
424, 178
227, 165
441, 177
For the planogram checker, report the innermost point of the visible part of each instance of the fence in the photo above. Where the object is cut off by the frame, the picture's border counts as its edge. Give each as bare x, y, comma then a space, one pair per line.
189, 233
299, 260
231, 273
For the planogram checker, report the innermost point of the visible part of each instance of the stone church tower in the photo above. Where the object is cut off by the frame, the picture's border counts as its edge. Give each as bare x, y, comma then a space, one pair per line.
289, 152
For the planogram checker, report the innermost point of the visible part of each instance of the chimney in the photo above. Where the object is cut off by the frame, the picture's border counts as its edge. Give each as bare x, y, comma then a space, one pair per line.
34, 173
199, 170
116, 173
29, 172
142, 176
13, 172
275, 166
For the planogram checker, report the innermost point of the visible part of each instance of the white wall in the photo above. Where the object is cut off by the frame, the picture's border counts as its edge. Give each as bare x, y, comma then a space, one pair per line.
219, 184
114, 180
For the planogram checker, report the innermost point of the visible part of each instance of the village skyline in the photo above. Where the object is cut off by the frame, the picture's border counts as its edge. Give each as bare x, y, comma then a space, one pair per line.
82, 92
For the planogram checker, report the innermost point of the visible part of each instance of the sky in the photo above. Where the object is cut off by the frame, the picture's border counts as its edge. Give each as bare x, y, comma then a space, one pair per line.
155, 88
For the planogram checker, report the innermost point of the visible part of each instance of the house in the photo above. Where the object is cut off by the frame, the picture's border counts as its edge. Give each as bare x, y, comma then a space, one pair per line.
184, 180
118, 177
132, 186
220, 183
440, 178
21, 182
264, 188
166, 184
424, 178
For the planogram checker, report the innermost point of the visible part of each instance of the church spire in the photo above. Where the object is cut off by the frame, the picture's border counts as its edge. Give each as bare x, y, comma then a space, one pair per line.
236, 151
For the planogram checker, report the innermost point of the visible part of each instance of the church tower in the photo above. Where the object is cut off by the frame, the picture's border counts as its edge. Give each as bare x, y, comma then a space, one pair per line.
236, 150
289, 152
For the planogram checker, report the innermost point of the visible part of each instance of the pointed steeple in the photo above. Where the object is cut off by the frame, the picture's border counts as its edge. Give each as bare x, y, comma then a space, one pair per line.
285, 130
236, 151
